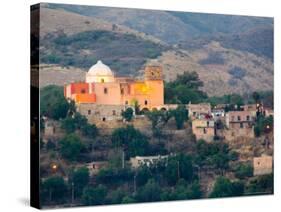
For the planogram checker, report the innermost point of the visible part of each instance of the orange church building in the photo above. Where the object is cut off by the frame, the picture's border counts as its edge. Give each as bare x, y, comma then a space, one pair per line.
103, 88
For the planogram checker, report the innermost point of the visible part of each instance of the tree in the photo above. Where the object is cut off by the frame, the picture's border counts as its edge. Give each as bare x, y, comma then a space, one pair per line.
262, 124
261, 185
115, 158
70, 147
155, 117
143, 174
128, 114
159, 119
190, 79
256, 97
110, 176
179, 166
50, 145
182, 191
232, 101
94, 196
184, 89
243, 171
55, 188
117, 196
131, 139
214, 154
150, 192
80, 178
76, 122
53, 103
128, 200
225, 188
68, 124
181, 115
89, 130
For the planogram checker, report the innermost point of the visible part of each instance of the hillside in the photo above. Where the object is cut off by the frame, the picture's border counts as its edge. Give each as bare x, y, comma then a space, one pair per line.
222, 70
233, 55
124, 53
169, 26
159, 24
61, 21
58, 75
258, 41
217, 24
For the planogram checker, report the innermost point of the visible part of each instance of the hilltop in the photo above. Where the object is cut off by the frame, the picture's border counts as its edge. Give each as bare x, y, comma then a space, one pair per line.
235, 55
170, 26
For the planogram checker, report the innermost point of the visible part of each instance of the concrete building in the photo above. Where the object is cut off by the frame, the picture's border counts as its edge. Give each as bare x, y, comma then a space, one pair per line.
218, 113
262, 165
138, 161
197, 110
239, 123
250, 108
204, 128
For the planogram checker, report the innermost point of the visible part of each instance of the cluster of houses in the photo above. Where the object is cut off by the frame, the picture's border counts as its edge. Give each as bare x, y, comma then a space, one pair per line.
211, 123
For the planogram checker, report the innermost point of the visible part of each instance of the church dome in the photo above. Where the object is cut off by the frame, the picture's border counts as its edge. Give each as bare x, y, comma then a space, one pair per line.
99, 73
100, 69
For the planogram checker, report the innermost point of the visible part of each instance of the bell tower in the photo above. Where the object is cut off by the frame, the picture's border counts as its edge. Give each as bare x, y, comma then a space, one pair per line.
153, 73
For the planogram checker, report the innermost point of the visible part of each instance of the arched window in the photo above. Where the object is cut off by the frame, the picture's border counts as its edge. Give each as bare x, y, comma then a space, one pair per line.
105, 91
102, 80
145, 102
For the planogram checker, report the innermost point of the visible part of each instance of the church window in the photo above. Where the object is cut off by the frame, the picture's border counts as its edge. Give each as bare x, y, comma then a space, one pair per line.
145, 102
105, 91
102, 80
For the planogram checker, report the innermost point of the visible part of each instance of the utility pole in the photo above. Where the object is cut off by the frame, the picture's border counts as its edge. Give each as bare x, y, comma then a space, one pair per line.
178, 169
50, 195
135, 183
72, 193
123, 158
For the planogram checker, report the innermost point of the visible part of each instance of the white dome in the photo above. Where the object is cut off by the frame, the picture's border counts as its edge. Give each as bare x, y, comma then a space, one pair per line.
99, 73
100, 69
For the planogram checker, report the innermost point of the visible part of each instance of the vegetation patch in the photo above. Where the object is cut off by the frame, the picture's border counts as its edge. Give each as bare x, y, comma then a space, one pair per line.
124, 53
